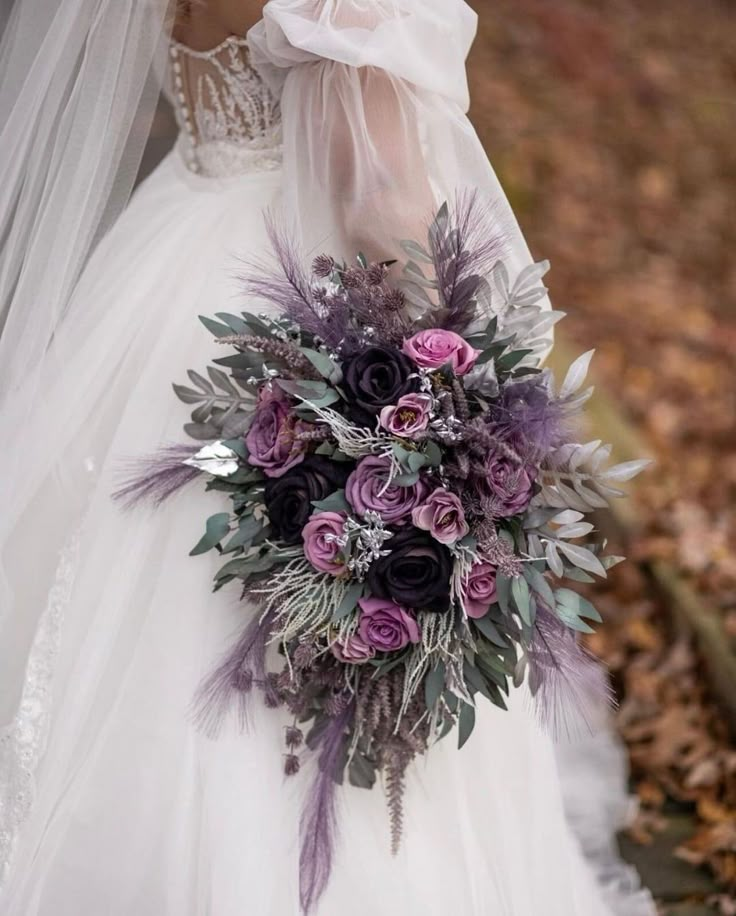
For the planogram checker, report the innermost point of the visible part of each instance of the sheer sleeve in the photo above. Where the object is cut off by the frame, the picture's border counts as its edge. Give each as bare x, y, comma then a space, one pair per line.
374, 98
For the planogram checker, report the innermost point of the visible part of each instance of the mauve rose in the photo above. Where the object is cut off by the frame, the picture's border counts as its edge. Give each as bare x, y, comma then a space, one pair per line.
416, 572
272, 439
366, 491
289, 498
320, 544
409, 417
353, 650
509, 484
386, 626
376, 378
442, 515
435, 347
479, 589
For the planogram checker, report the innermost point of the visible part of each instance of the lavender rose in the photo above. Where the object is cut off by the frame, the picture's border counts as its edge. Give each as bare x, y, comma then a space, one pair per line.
376, 378
416, 573
272, 439
479, 589
366, 491
386, 626
508, 483
437, 347
320, 536
289, 498
409, 417
353, 650
442, 515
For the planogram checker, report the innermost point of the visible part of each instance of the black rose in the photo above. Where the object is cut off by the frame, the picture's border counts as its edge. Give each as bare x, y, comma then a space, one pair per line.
415, 574
374, 379
289, 498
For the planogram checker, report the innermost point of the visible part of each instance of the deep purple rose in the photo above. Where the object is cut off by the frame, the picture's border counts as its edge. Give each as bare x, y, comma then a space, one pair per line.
353, 650
366, 491
272, 439
479, 589
409, 417
442, 515
320, 536
386, 626
437, 347
508, 483
416, 573
289, 498
376, 378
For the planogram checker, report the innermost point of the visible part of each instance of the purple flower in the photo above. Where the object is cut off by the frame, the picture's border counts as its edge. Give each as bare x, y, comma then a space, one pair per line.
442, 515
386, 626
376, 378
289, 498
508, 483
320, 536
416, 572
409, 417
366, 491
353, 650
272, 439
479, 589
436, 347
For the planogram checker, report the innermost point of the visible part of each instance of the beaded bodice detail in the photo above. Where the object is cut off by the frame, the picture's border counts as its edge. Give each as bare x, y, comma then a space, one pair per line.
229, 120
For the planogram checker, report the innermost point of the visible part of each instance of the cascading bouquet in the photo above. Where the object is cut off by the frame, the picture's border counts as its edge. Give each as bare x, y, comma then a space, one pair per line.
405, 498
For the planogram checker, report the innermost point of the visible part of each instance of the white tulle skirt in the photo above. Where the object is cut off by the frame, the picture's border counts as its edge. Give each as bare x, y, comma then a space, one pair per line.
114, 804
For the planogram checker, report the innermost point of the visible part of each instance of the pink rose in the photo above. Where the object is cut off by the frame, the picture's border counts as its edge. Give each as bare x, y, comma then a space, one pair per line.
353, 650
386, 626
272, 440
436, 347
442, 515
479, 589
366, 491
320, 536
409, 417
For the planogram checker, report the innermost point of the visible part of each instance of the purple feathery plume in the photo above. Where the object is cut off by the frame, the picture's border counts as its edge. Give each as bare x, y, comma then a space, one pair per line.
232, 680
156, 477
290, 289
464, 246
529, 418
570, 687
318, 825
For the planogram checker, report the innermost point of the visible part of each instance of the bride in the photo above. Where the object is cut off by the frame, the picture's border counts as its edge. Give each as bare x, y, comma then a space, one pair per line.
348, 117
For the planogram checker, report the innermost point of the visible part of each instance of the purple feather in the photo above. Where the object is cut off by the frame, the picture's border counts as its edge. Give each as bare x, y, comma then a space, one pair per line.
529, 419
318, 825
570, 687
231, 682
290, 289
156, 477
463, 252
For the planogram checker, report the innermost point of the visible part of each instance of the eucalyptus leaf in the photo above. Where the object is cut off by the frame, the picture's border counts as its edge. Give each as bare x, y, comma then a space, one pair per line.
335, 502
361, 771
503, 592
416, 251
214, 327
434, 684
466, 724
349, 602
216, 528
540, 585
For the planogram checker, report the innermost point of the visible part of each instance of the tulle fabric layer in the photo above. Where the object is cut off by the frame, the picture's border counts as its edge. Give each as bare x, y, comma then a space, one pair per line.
135, 812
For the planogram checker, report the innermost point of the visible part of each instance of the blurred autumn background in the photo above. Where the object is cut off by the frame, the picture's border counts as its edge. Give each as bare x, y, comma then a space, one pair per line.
611, 126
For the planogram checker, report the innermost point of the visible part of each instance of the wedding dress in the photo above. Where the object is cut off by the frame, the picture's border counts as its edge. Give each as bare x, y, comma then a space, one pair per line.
111, 801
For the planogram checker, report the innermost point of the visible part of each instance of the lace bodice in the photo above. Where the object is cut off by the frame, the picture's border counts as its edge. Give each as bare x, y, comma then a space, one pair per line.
229, 120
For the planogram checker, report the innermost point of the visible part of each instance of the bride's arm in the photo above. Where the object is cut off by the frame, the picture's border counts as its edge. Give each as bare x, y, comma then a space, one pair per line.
360, 77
